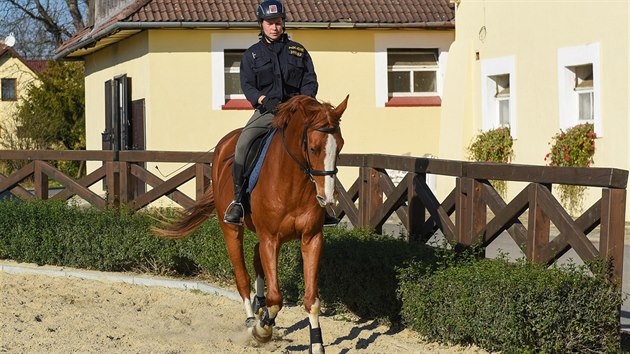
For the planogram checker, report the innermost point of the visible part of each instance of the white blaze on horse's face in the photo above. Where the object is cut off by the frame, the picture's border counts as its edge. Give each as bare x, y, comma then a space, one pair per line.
330, 160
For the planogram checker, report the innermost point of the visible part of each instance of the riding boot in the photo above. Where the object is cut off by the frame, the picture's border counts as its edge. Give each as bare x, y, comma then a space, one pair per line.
234, 213
330, 220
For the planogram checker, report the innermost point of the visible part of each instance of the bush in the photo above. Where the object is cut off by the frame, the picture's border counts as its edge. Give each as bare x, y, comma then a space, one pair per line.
357, 268
493, 146
513, 308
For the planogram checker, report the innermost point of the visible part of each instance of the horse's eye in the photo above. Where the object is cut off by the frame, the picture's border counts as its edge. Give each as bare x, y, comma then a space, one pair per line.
314, 151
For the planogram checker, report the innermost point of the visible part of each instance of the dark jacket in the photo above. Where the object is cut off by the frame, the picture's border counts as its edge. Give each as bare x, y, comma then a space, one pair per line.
282, 69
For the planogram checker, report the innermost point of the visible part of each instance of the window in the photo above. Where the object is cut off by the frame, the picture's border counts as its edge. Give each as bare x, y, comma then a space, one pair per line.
9, 89
226, 52
584, 90
232, 62
498, 94
502, 96
579, 87
412, 72
409, 68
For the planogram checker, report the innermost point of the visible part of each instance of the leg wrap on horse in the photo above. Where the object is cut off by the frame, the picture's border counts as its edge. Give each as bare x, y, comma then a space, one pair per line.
265, 320
316, 335
259, 303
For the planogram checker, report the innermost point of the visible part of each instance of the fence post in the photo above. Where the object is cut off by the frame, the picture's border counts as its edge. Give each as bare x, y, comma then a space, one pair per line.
612, 228
41, 181
416, 211
112, 183
539, 225
471, 210
201, 181
370, 196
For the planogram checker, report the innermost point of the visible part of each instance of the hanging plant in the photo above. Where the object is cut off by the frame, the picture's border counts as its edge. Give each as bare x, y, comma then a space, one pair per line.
493, 146
574, 147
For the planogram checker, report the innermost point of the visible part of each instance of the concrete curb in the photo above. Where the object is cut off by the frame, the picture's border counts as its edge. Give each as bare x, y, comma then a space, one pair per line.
119, 278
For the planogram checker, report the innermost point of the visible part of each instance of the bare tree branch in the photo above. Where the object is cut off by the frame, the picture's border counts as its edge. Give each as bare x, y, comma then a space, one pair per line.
41, 25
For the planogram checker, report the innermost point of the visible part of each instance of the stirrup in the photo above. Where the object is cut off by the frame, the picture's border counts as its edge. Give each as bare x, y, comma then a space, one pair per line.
229, 209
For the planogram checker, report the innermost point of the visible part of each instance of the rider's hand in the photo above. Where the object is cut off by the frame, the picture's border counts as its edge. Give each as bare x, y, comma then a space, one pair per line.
270, 104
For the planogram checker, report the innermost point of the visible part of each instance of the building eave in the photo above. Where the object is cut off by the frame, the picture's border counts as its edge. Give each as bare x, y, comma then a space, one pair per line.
121, 30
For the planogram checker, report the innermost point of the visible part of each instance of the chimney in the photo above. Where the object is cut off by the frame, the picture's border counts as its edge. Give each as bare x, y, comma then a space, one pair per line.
106, 9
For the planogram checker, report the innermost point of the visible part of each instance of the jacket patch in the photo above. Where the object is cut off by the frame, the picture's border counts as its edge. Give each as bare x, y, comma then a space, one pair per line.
295, 50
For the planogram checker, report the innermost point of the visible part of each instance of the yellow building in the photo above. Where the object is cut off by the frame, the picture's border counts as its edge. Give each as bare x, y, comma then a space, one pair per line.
538, 67
175, 68
16, 74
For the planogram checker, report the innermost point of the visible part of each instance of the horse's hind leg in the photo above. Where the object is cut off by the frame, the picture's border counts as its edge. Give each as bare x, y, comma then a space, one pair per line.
259, 299
233, 236
311, 252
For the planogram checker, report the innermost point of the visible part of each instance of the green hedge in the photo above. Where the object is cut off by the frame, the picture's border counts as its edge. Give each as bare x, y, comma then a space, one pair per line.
357, 269
493, 304
513, 308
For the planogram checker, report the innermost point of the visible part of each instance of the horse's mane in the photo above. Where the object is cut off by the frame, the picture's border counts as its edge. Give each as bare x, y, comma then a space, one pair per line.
314, 113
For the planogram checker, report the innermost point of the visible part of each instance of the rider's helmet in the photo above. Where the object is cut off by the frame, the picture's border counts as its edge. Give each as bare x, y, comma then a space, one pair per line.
269, 9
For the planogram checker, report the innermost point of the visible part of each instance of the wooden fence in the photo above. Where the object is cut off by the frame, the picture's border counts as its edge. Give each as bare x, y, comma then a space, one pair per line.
473, 212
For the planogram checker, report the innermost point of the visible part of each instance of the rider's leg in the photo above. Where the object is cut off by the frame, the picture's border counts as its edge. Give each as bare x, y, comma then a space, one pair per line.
257, 125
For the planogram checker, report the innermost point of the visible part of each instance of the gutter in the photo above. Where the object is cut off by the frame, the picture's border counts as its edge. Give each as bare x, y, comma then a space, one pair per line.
120, 26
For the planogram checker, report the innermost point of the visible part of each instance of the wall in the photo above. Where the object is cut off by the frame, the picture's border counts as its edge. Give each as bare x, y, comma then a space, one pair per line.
172, 71
533, 32
13, 68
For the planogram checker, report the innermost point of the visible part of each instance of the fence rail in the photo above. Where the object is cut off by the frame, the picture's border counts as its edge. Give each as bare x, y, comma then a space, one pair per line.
473, 211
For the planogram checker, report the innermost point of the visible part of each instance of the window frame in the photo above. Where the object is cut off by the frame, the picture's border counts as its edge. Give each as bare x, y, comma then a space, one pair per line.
491, 71
220, 43
15, 89
385, 41
232, 70
411, 69
569, 59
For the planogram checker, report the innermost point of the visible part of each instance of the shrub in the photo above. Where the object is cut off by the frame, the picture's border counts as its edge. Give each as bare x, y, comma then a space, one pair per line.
573, 148
357, 268
493, 146
513, 308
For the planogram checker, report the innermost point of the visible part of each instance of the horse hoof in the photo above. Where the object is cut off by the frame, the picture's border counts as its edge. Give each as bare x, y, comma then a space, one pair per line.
250, 322
260, 338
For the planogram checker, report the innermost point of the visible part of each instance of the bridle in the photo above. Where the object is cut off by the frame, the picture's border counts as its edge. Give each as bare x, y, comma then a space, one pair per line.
306, 167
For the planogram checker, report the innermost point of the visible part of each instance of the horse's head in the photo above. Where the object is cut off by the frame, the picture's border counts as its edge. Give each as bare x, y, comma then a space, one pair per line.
321, 141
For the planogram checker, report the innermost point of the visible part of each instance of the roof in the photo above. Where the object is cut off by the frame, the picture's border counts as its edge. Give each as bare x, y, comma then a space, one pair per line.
35, 65
145, 14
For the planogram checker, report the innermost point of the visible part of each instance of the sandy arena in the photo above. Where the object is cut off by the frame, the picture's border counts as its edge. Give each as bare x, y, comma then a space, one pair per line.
52, 314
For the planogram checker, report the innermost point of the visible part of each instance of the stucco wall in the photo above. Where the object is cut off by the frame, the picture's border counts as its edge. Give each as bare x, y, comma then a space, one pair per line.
533, 32
12, 68
172, 70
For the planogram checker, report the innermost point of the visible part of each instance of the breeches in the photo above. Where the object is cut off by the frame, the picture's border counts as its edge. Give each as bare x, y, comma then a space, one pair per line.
257, 125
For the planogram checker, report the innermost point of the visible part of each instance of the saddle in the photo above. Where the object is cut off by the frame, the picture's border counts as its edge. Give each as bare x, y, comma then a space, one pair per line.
253, 163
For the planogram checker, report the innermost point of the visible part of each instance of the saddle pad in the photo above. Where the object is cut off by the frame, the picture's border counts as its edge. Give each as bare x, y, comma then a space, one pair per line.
253, 177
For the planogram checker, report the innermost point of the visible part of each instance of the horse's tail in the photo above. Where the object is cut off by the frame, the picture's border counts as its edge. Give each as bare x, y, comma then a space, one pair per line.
189, 220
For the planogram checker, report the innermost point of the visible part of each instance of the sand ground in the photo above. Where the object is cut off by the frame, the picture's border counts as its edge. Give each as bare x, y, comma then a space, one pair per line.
52, 314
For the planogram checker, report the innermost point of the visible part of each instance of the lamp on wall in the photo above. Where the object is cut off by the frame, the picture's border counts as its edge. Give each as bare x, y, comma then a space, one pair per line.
9, 40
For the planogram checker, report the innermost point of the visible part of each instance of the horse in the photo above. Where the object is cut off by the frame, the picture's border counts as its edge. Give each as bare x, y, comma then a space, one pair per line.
296, 184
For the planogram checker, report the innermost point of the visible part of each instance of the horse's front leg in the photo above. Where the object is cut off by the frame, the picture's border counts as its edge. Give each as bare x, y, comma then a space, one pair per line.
268, 251
233, 236
311, 252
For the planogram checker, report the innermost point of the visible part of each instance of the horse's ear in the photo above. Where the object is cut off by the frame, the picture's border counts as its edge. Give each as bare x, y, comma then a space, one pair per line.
342, 106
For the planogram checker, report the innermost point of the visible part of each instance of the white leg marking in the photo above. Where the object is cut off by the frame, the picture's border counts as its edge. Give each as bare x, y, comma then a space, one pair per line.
248, 307
313, 319
329, 165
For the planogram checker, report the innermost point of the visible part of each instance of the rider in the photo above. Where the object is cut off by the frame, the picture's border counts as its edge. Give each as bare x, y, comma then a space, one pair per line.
272, 71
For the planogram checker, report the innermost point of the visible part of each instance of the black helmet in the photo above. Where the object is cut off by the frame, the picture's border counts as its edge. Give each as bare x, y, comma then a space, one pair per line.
269, 9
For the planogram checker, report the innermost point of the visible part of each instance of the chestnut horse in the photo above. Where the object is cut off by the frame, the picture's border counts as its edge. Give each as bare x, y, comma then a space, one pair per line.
297, 182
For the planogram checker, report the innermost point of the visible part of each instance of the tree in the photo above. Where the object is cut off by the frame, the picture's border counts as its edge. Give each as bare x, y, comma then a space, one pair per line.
53, 114
41, 26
